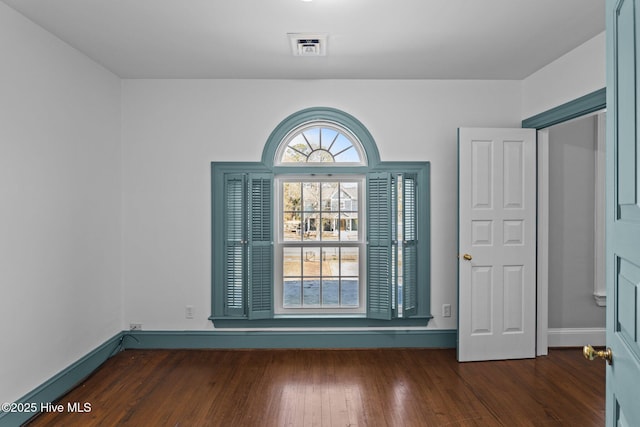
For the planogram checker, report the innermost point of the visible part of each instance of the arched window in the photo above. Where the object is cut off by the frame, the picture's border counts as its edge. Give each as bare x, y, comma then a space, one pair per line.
320, 144
320, 229
306, 137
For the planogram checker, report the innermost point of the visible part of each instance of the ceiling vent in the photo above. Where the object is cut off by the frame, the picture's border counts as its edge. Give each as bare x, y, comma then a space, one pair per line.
308, 44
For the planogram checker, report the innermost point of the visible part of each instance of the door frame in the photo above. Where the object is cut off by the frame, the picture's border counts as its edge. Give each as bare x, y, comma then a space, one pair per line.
587, 104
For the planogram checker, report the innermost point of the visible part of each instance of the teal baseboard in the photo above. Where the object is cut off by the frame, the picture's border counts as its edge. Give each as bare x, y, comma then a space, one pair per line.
275, 339
63, 382
68, 378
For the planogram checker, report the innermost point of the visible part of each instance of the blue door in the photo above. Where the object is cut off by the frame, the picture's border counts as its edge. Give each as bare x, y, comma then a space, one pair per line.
623, 213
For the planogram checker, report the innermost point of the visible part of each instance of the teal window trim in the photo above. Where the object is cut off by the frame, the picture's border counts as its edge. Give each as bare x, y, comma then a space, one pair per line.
223, 318
261, 315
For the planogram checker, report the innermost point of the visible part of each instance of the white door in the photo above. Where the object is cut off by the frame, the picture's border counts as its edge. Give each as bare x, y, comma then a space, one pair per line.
496, 244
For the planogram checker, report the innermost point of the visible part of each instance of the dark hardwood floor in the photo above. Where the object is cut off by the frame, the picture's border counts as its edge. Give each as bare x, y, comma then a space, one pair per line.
385, 387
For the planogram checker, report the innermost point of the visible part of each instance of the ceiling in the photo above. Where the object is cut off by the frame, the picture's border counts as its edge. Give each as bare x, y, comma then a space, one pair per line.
367, 39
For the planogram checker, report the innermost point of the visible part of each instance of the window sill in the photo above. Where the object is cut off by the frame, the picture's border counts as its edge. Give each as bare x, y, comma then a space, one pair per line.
315, 322
320, 316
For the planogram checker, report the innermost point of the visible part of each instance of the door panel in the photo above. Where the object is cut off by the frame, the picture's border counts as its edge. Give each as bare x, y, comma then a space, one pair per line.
482, 182
497, 229
514, 298
481, 300
481, 232
623, 214
513, 180
628, 281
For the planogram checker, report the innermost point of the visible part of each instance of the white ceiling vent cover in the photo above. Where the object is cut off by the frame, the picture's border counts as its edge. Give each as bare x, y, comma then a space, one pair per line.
308, 44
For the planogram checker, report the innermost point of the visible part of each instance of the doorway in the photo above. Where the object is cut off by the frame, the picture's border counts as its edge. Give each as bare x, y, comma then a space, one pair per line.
571, 296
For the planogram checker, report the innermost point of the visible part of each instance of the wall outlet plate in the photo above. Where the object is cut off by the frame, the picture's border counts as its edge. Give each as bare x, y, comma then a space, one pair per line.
446, 310
135, 326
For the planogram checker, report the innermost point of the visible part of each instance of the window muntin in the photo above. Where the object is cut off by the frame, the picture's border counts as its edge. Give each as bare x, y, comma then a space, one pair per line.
321, 277
320, 245
320, 210
320, 144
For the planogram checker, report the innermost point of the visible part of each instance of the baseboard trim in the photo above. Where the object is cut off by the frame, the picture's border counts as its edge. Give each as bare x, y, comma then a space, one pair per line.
290, 339
63, 382
576, 337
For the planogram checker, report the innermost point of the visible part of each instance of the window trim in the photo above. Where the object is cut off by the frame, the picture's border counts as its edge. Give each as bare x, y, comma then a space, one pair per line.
220, 320
267, 166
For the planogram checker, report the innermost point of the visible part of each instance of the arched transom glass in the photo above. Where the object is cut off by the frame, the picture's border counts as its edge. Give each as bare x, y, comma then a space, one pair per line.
322, 144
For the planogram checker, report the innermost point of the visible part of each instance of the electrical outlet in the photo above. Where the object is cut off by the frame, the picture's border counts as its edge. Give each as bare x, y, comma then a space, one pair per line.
188, 312
446, 310
135, 326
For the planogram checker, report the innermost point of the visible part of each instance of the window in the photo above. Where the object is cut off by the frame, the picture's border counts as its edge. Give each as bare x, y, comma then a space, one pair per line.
319, 245
320, 143
320, 229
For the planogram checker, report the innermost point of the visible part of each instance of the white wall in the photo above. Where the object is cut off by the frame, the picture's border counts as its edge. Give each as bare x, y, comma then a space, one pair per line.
59, 205
173, 129
578, 73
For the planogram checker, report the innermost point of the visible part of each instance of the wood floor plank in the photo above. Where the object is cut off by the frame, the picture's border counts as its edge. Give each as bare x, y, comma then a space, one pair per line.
297, 388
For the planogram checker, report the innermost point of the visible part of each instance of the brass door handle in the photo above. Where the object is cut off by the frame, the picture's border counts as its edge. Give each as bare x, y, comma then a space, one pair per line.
590, 354
467, 257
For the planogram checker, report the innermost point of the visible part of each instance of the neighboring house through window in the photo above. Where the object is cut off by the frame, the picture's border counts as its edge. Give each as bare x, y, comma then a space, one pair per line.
321, 229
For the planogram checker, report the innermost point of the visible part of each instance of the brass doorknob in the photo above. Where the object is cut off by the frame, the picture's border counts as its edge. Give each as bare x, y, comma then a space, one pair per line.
590, 354
467, 257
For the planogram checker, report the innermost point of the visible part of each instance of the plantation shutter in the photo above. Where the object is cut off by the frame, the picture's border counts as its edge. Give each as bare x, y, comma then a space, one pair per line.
395, 295
410, 246
234, 278
379, 253
260, 243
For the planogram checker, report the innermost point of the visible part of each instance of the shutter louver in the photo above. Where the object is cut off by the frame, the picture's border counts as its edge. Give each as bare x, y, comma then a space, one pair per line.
234, 247
260, 265
395, 297
410, 246
379, 274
